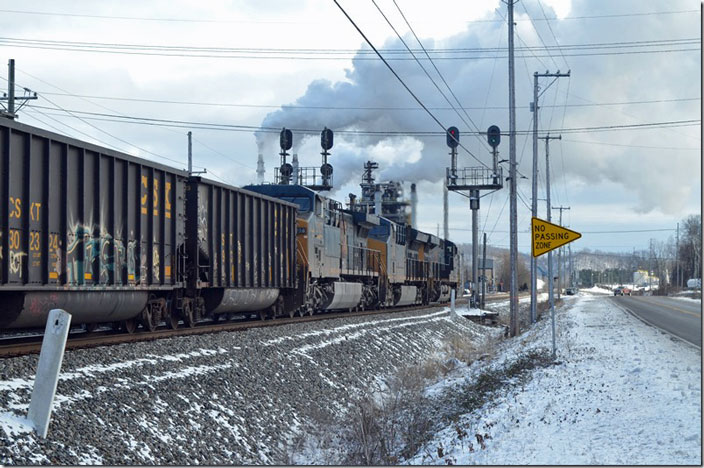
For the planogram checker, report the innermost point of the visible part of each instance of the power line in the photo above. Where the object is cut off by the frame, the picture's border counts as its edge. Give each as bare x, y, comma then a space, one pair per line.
358, 55
423, 68
85, 121
332, 51
523, 4
420, 134
402, 82
547, 21
631, 231
440, 75
429, 133
674, 148
355, 108
232, 21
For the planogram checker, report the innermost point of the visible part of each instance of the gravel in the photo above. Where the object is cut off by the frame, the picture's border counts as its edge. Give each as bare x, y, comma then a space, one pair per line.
227, 398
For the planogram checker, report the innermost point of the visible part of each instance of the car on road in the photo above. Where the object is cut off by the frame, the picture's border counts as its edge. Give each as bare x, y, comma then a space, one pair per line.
571, 291
622, 291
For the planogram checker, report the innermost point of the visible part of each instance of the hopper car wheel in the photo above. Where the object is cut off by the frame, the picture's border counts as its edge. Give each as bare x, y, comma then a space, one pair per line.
130, 325
189, 318
148, 319
172, 320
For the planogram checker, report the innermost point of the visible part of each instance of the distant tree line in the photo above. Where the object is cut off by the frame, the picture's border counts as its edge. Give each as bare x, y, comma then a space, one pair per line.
588, 277
671, 261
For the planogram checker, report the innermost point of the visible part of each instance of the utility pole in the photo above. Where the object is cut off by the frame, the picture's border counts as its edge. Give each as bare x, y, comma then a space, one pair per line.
650, 273
190, 153
534, 206
484, 274
513, 298
10, 96
677, 257
533, 262
559, 254
190, 157
572, 275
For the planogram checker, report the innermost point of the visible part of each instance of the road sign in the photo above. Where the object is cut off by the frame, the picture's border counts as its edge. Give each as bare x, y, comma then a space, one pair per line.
547, 236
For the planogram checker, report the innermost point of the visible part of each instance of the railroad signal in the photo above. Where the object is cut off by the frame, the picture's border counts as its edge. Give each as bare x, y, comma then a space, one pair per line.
453, 137
326, 139
547, 236
326, 170
286, 139
286, 170
493, 134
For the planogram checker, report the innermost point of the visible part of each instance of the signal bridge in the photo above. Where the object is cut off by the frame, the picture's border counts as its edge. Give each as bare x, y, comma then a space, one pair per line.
473, 180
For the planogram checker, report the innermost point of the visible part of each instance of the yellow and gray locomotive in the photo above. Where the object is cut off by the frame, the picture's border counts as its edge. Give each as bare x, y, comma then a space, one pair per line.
364, 255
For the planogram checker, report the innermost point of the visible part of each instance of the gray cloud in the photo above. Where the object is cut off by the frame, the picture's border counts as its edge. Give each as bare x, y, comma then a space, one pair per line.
663, 182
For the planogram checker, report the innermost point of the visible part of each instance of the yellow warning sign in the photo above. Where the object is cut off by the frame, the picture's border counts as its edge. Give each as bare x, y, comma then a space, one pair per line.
547, 236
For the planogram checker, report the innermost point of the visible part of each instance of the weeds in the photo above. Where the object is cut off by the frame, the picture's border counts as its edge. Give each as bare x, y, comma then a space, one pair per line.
395, 419
476, 393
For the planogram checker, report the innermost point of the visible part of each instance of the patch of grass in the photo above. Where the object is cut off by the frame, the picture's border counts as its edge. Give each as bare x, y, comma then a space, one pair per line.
475, 394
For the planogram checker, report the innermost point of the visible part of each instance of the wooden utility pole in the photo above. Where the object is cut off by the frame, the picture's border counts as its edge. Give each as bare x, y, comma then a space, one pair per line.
11, 112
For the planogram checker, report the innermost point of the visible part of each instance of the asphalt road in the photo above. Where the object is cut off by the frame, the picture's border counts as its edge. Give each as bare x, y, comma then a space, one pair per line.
680, 318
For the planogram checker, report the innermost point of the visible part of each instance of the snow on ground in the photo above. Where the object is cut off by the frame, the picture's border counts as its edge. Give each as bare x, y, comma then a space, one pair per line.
622, 392
597, 290
220, 399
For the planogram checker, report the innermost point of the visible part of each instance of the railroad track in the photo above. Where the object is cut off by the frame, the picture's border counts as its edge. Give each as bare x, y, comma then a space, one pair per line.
25, 345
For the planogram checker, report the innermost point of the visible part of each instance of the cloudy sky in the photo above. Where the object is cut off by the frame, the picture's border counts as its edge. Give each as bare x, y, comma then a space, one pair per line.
234, 72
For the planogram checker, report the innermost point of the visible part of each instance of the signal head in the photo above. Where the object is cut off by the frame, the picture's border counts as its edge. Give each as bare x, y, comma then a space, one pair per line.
453, 137
286, 139
493, 135
326, 139
326, 170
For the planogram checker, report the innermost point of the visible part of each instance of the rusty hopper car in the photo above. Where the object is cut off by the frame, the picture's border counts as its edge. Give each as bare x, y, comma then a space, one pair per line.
241, 251
87, 229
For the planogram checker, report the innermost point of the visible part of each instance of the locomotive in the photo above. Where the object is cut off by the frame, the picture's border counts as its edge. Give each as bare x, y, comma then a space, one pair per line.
115, 239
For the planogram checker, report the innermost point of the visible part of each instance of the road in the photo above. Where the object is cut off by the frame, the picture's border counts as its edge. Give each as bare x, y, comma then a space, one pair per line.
680, 318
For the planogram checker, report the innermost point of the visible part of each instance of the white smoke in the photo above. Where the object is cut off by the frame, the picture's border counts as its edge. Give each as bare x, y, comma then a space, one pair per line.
369, 87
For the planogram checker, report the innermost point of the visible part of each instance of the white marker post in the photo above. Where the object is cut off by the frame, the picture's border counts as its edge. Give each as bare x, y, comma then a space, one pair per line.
452, 302
50, 359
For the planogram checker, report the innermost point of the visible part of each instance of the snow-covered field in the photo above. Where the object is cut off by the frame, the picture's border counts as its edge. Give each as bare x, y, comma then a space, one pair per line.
622, 393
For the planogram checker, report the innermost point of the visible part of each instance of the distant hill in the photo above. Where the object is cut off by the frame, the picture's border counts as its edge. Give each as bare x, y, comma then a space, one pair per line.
583, 259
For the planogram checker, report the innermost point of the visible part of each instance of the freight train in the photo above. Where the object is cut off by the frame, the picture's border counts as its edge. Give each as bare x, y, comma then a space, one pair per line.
115, 239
